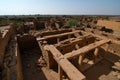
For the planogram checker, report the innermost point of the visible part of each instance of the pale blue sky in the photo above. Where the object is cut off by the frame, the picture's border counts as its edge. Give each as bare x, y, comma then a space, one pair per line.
22, 7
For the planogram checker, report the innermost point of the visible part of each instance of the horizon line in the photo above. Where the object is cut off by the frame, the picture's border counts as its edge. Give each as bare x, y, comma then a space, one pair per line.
58, 14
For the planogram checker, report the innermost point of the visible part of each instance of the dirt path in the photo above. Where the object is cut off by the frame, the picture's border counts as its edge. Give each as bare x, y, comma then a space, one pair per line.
31, 71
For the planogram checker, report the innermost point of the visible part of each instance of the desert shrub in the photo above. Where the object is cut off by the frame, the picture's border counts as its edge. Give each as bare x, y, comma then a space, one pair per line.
16, 24
17, 27
3, 22
72, 23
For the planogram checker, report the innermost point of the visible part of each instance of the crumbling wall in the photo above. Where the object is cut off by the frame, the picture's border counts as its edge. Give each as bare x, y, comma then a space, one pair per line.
39, 25
26, 42
3, 43
19, 64
0, 36
66, 49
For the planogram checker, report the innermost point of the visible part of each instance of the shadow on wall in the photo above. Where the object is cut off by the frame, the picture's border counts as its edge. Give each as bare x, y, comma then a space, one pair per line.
26, 42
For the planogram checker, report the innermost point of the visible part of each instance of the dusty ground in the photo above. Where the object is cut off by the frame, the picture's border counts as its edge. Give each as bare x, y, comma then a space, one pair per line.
101, 71
31, 71
109, 24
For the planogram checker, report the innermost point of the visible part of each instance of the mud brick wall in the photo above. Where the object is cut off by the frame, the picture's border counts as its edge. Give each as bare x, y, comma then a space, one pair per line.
20, 30
0, 36
83, 42
70, 48
4, 42
39, 25
19, 66
26, 42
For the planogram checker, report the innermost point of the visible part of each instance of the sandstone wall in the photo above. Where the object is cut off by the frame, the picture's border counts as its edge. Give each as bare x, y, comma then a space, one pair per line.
4, 42
26, 42
19, 64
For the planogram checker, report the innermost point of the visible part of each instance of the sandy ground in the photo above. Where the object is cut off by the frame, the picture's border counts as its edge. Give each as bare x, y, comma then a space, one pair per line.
109, 24
101, 71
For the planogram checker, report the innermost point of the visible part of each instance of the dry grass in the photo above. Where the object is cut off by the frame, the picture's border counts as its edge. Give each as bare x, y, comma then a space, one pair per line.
109, 24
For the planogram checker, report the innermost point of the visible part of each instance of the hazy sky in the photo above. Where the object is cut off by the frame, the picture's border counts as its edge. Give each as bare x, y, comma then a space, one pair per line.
16, 7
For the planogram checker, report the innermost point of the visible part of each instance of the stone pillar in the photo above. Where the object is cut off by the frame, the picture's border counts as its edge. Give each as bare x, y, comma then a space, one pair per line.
96, 53
81, 58
60, 72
